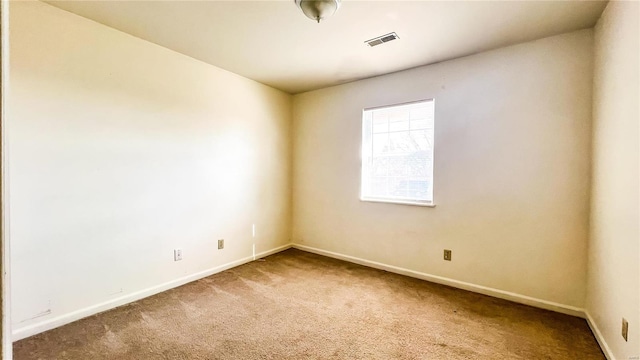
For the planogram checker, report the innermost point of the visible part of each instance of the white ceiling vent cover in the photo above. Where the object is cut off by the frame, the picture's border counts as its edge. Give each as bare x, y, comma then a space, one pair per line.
382, 39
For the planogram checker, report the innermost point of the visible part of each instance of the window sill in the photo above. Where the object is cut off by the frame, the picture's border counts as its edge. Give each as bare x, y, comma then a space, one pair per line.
398, 202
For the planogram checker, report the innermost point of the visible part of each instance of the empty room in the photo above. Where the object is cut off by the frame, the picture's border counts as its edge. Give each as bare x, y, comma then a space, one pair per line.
320, 179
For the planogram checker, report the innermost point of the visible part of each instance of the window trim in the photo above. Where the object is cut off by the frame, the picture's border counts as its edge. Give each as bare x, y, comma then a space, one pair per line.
399, 104
429, 204
398, 202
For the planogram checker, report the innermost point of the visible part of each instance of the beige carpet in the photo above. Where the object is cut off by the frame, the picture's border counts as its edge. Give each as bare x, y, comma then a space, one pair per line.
296, 305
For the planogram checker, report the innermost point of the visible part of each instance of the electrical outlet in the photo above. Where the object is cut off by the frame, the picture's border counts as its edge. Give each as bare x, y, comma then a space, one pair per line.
220, 244
177, 254
447, 255
625, 329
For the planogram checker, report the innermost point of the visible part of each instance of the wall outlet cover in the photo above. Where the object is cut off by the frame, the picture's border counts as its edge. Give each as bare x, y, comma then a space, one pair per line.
177, 254
220, 244
447, 255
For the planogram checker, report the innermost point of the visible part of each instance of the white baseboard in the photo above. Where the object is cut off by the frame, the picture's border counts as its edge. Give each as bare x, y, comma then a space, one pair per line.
67, 318
64, 319
598, 335
522, 299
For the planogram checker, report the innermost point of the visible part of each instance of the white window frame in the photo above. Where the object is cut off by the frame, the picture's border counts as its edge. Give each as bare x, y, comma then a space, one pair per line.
390, 199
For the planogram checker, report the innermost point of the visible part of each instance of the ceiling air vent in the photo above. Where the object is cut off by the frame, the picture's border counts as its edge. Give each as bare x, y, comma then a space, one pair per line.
382, 39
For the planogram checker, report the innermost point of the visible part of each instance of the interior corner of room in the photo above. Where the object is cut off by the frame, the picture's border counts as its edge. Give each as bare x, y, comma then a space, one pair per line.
130, 168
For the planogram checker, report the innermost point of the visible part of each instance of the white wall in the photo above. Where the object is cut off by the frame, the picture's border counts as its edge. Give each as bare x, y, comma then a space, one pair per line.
512, 169
120, 151
6, 350
614, 247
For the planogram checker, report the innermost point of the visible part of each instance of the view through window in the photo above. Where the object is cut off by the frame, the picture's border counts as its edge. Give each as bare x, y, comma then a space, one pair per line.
397, 153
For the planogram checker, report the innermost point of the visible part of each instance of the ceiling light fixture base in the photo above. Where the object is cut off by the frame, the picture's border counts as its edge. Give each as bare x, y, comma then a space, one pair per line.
318, 9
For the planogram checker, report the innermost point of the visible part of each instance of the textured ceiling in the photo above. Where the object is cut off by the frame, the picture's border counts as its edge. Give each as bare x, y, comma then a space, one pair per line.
274, 43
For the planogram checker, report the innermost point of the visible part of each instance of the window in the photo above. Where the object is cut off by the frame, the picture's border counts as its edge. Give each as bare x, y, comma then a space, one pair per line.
397, 153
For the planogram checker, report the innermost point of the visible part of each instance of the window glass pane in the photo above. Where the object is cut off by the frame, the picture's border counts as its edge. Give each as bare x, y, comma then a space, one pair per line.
398, 166
380, 143
400, 142
379, 186
380, 166
398, 125
419, 112
398, 188
380, 122
419, 124
417, 164
399, 119
419, 139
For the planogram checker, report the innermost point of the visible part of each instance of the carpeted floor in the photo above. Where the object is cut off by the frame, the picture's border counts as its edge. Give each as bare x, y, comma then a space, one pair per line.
297, 305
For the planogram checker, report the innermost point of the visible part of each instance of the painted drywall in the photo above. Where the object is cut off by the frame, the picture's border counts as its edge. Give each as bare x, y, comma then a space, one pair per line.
614, 245
512, 169
122, 151
5, 353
